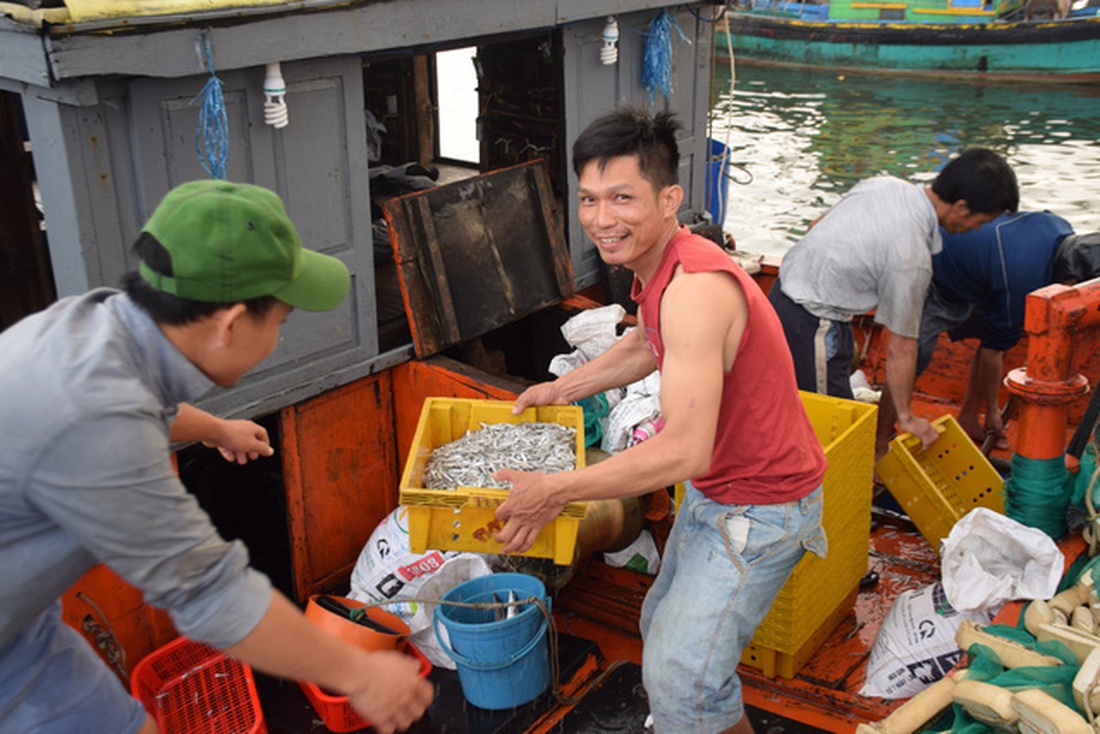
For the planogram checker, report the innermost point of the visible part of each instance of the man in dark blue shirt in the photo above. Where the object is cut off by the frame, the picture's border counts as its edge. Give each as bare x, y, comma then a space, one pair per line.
979, 284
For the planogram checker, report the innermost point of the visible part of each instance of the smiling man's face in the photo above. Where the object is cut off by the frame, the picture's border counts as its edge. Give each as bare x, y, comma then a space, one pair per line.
623, 213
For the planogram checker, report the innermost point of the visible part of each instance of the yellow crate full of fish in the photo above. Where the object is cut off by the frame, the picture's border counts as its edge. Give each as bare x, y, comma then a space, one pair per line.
938, 485
820, 591
463, 518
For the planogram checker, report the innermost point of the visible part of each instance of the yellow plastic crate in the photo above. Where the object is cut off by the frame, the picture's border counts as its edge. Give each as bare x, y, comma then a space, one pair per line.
464, 520
820, 592
938, 486
773, 663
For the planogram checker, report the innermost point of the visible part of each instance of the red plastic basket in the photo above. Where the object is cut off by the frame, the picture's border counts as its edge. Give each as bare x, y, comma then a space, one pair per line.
191, 688
336, 712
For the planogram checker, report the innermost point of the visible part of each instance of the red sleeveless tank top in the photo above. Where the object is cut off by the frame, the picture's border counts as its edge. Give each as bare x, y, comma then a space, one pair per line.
765, 450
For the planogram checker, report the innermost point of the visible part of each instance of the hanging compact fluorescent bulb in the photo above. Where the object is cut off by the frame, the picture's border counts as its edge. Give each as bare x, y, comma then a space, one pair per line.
609, 54
275, 112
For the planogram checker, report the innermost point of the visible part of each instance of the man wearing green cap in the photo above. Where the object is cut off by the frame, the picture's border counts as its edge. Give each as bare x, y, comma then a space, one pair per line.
93, 391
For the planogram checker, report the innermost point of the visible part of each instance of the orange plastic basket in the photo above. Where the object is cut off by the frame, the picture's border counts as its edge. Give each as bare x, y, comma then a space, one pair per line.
191, 688
336, 712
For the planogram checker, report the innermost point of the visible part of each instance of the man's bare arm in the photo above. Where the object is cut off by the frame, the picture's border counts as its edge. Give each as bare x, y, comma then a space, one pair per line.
701, 315
901, 374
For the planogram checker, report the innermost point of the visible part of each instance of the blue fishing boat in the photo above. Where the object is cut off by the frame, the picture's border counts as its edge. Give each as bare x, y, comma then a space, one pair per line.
1035, 40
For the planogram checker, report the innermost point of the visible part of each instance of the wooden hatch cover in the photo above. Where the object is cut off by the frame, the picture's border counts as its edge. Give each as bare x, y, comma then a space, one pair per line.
479, 253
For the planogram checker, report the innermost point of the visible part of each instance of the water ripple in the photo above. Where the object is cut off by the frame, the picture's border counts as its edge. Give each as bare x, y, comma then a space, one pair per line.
808, 136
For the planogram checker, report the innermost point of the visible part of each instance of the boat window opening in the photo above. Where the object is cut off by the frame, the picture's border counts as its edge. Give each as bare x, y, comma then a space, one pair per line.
25, 265
255, 511
456, 92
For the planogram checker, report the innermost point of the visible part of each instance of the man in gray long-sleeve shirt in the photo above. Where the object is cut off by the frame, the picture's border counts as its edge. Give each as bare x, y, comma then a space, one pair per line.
91, 390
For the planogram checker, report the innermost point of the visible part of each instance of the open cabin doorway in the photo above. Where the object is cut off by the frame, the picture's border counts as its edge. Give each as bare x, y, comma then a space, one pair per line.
437, 116
24, 257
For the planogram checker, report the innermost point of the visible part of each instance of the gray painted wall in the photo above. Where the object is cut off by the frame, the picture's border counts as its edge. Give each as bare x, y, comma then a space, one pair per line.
593, 89
113, 130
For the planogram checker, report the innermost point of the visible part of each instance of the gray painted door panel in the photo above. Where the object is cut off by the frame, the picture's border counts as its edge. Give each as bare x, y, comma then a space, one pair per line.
318, 165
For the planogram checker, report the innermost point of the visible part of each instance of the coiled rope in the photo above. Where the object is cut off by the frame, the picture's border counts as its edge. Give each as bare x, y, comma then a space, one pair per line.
1037, 494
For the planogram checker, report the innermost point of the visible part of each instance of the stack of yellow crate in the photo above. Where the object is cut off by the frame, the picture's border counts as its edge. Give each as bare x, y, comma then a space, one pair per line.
821, 592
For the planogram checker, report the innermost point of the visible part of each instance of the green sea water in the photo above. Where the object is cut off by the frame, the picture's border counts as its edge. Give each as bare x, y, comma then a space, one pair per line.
799, 139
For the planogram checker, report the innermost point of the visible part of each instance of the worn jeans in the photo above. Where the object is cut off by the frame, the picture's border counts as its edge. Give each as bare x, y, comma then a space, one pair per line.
723, 567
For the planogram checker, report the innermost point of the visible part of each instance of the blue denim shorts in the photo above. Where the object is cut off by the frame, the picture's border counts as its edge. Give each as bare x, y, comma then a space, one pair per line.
723, 567
53, 682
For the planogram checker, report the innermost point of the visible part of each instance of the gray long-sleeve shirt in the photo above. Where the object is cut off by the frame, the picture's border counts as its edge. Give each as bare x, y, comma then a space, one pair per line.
872, 250
88, 390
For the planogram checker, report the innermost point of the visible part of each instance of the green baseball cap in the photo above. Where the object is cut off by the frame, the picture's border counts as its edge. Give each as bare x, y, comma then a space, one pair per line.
230, 242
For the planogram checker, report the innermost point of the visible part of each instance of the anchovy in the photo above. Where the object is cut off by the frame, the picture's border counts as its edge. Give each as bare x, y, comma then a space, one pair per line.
471, 460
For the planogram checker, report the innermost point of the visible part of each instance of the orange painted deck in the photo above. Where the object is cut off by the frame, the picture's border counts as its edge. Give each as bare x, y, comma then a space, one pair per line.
602, 604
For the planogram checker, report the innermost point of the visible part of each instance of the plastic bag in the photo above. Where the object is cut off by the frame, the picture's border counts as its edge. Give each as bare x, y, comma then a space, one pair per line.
989, 559
641, 555
593, 331
641, 403
915, 646
462, 567
387, 570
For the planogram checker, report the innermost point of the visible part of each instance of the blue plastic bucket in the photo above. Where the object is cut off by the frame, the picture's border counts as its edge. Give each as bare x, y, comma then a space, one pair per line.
501, 663
718, 181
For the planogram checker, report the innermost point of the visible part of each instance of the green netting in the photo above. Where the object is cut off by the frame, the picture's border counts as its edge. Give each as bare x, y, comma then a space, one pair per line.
1080, 482
1082, 566
595, 409
986, 667
1037, 494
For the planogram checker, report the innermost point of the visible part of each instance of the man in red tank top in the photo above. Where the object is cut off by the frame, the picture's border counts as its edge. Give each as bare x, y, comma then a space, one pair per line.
735, 429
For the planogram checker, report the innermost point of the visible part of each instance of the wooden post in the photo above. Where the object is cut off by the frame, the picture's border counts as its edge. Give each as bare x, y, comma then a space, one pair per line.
425, 110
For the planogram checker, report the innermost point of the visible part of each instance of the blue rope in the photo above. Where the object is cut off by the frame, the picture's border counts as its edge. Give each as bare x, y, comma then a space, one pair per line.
212, 134
657, 58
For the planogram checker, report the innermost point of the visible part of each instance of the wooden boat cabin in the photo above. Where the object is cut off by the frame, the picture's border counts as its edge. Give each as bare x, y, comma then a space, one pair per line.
100, 110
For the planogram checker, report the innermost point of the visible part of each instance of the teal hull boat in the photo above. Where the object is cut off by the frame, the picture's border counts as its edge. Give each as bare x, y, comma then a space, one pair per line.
963, 43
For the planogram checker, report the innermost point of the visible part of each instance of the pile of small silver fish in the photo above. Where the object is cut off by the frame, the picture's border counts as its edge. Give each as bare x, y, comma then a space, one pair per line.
470, 461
